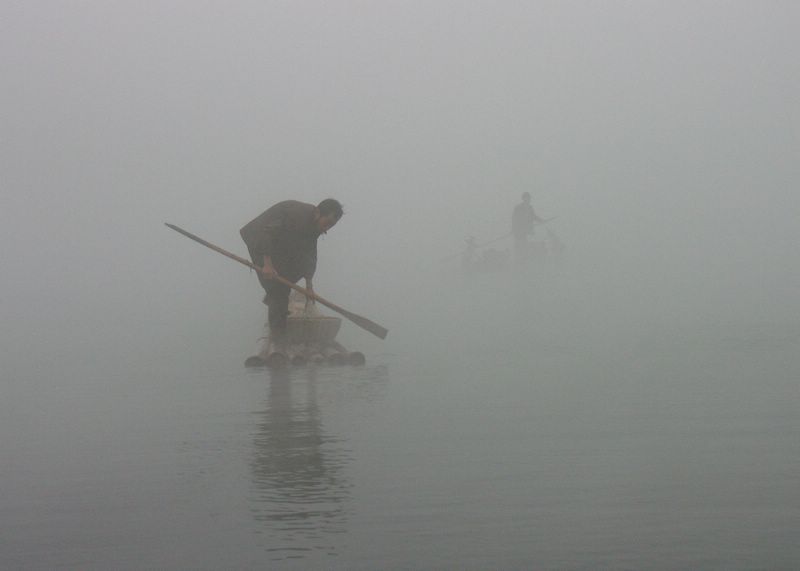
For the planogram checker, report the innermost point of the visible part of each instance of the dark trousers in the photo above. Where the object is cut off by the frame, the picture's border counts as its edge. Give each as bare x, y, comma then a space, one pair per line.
276, 298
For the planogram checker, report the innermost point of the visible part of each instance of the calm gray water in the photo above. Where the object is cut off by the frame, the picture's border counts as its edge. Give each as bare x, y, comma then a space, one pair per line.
571, 436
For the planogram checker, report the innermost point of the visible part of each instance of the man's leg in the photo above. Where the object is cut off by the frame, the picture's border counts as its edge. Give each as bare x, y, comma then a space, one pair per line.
277, 299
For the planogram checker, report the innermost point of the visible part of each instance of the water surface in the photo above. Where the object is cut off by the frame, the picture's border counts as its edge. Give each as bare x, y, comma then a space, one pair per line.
572, 437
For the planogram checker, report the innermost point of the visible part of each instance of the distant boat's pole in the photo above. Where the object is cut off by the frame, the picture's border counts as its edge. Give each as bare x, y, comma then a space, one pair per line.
363, 322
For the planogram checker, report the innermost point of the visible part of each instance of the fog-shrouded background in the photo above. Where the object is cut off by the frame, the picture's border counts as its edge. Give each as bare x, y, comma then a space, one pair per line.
663, 136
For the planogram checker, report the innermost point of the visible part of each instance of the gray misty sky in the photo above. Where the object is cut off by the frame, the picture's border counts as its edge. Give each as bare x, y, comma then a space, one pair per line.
664, 135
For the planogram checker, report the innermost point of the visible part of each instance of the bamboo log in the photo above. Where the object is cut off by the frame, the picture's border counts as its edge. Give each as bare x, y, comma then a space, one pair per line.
355, 358
333, 356
276, 357
254, 361
296, 355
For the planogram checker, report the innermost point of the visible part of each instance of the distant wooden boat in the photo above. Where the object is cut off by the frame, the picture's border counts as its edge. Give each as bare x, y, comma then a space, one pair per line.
487, 262
310, 338
548, 249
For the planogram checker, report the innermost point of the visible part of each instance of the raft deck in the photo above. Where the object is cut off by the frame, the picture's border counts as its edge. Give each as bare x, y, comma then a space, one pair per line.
310, 338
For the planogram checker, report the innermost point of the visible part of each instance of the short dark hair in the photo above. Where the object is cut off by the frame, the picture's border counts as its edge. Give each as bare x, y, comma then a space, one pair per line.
331, 206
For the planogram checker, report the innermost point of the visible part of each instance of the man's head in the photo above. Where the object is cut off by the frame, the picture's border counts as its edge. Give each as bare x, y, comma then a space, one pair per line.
526, 197
329, 211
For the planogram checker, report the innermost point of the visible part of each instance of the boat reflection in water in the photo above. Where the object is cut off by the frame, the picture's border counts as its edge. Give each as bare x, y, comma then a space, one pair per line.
298, 470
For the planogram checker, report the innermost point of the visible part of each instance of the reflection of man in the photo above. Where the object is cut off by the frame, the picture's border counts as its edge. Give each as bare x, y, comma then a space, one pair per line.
522, 222
297, 468
283, 241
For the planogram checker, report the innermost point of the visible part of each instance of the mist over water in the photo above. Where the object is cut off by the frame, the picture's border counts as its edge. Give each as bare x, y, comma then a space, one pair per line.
577, 435
631, 405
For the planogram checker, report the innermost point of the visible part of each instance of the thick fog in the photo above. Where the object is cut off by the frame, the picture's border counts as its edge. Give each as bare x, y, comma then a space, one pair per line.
663, 136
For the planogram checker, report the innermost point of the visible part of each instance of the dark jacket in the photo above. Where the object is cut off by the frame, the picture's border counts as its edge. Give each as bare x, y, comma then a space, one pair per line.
288, 234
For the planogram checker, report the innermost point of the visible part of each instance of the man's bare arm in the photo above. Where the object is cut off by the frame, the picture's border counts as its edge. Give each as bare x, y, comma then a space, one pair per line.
268, 268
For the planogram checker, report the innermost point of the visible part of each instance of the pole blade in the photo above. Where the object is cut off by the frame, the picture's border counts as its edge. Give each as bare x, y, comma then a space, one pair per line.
377, 330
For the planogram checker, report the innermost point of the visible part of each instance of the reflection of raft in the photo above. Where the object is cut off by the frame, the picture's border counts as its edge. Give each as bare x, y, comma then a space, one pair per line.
310, 338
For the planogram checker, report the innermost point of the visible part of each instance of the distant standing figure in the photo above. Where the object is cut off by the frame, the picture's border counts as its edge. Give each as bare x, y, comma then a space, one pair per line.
283, 240
522, 223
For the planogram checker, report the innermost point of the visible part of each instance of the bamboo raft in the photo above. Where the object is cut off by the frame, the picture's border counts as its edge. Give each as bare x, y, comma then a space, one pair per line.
310, 338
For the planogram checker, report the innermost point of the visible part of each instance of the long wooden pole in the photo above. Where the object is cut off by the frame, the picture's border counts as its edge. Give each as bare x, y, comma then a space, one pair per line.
363, 322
